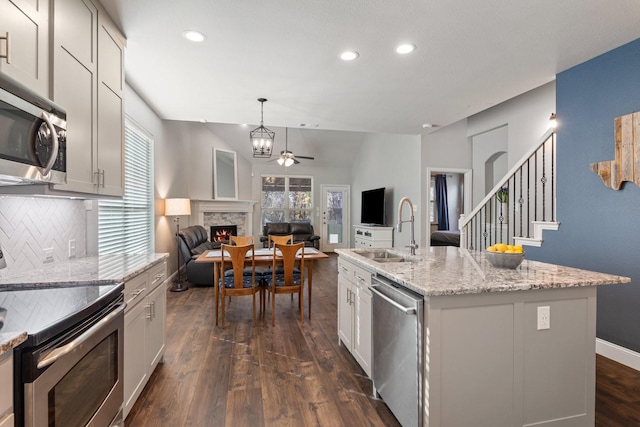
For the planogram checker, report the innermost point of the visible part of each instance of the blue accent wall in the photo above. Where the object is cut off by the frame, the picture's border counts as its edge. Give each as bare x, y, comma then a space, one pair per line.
599, 227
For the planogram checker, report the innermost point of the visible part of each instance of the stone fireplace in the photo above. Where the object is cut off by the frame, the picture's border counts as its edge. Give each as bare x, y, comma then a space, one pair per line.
210, 213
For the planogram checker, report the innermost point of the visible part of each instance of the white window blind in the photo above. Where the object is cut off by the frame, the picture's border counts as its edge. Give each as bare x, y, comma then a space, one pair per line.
126, 226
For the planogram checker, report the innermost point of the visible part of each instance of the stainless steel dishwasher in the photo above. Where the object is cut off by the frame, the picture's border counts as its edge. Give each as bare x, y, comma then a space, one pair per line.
397, 349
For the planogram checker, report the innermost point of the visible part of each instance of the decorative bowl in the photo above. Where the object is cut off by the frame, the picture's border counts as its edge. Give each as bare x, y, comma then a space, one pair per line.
503, 260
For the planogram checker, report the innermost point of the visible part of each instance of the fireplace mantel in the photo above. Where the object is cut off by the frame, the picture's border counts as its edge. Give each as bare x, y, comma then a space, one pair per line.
224, 205
200, 207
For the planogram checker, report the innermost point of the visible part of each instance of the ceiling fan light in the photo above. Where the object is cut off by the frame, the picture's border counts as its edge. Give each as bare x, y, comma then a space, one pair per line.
288, 162
280, 161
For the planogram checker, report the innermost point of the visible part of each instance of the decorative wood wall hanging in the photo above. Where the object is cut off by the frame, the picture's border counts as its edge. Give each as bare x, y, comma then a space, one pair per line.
627, 154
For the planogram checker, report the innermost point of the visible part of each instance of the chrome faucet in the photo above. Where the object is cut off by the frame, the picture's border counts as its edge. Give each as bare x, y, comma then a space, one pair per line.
412, 246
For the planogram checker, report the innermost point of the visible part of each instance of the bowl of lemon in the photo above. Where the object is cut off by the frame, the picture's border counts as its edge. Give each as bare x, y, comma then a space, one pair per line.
505, 256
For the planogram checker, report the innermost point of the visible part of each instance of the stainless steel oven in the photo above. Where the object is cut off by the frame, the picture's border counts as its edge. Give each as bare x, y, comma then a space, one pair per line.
71, 372
32, 137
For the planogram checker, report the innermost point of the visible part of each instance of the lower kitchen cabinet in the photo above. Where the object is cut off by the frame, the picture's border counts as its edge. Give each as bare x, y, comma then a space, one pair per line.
144, 330
6, 391
354, 312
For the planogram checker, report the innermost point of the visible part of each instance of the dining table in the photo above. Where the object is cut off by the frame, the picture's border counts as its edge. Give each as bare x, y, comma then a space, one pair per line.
262, 256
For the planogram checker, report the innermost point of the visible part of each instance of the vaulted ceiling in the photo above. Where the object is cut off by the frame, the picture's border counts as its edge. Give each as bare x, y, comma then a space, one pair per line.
470, 55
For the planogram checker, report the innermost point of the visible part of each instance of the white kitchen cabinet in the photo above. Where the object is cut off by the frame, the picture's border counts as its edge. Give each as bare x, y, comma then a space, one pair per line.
24, 38
6, 390
144, 330
88, 64
135, 367
345, 311
155, 332
354, 312
367, 236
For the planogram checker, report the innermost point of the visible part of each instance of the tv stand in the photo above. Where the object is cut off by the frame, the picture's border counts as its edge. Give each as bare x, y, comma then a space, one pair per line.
373, 236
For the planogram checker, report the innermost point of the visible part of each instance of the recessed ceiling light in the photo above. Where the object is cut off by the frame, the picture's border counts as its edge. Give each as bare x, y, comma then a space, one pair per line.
427, 125
194, 36
349, 55
405, 48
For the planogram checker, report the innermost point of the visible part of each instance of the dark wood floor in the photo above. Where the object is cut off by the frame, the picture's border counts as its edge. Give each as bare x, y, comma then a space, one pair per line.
292, 375
254, 374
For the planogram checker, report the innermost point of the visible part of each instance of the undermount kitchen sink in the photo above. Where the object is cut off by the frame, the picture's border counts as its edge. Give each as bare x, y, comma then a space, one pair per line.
382, 256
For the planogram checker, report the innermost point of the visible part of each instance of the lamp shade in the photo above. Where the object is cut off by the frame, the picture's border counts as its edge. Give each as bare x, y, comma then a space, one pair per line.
175, 207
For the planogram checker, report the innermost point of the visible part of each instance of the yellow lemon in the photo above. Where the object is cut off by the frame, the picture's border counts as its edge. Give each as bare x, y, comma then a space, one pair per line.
518, 249
491, 249
501, 247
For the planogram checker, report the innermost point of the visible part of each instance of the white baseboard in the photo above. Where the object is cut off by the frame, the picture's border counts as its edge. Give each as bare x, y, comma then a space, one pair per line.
618, 353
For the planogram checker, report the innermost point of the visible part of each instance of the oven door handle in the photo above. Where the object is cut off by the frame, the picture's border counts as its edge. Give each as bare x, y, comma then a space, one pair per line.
56, 354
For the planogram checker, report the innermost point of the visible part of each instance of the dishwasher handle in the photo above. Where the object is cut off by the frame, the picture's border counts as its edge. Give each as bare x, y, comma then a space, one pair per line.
405, 310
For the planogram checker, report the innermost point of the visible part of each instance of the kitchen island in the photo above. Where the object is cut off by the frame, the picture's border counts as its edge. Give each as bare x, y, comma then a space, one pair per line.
485, 359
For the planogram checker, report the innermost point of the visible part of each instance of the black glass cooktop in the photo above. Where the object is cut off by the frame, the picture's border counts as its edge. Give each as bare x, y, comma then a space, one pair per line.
45, 312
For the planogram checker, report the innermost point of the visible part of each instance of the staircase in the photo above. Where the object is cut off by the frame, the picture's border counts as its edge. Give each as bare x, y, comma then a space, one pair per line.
521, 206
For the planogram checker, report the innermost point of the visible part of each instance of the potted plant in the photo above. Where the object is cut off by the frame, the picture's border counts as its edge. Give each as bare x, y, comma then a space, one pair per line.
503, 195
503, 198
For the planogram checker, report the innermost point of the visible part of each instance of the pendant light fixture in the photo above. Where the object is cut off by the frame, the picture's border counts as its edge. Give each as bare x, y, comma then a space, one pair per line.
262, 138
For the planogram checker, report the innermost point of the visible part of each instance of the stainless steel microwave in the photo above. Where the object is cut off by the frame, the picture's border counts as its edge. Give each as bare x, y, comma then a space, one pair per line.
33, 145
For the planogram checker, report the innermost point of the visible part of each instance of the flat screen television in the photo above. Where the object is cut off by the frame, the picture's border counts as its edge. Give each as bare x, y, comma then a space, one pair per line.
373, 207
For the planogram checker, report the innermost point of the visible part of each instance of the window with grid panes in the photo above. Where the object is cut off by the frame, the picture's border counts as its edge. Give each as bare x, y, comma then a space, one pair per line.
126, 226
287, 199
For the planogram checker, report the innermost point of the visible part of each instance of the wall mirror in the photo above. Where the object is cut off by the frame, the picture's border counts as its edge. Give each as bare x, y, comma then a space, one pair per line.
225, 175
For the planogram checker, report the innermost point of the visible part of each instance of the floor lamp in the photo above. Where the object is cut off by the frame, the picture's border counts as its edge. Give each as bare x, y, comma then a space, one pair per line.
177, 207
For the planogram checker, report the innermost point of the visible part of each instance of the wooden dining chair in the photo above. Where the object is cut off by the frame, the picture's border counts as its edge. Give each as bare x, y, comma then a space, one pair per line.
281, 240
237, 280
241, 240
290, 280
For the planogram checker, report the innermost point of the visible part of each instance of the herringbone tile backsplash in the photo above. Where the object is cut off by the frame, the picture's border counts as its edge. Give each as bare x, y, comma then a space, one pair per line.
29, 225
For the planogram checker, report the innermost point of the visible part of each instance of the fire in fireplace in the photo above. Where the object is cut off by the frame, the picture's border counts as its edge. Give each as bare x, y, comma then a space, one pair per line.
221, 233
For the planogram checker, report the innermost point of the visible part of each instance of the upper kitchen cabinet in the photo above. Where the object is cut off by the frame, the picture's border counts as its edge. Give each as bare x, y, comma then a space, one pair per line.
88, 68
24, 42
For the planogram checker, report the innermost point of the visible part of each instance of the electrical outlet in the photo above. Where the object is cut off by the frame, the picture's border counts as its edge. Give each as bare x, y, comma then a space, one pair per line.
544, 317
48, 255
72, 248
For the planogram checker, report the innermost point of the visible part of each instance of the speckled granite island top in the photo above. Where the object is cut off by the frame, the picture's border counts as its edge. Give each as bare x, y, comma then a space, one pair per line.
81, 271
447, 270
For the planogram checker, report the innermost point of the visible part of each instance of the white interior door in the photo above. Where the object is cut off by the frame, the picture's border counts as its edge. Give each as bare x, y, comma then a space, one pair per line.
335, 217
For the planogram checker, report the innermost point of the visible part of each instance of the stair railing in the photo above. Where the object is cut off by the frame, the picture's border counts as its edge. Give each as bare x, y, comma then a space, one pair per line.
527, 193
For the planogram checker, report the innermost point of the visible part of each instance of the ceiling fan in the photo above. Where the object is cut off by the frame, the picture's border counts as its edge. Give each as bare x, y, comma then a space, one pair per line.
287, 158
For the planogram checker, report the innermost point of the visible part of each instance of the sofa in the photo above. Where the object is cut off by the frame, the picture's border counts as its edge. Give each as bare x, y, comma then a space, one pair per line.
193, 241
301, 231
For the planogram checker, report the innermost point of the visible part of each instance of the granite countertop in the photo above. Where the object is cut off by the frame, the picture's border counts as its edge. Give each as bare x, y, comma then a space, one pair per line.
86, 271
10, 340
81, 271
447, 270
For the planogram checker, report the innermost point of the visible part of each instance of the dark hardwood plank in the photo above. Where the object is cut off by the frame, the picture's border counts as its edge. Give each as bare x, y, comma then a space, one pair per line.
617, 394
293, 374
